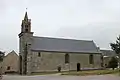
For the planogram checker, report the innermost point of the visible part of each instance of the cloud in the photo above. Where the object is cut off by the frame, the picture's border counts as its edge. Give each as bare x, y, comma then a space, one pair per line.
101, 33
79, 19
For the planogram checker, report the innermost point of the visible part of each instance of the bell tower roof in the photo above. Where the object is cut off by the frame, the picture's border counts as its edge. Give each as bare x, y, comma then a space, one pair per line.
26, 25
26, 16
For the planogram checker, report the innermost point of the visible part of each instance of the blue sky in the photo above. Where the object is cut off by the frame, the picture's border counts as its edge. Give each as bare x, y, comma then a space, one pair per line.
97, 20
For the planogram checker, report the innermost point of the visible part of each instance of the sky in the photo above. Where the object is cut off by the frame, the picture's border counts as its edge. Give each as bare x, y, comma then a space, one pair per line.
97, 20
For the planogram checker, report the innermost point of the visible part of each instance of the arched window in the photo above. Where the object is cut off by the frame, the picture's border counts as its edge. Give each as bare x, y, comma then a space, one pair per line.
101, 58
39, 54
26, 28
101, 61
66, 58
8, 68
91, 60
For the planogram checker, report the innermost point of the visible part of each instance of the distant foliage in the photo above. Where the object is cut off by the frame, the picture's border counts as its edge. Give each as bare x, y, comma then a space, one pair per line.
1, 55
113, 63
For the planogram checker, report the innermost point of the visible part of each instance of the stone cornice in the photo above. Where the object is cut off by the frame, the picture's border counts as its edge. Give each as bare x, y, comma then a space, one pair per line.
21, 34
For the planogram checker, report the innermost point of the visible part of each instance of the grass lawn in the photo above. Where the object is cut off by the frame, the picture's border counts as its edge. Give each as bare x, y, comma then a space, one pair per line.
81, 73
44, 73
92, 72
53, 72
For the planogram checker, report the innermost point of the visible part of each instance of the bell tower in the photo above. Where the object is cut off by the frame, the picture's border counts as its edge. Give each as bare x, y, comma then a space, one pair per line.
26, 24
25, 42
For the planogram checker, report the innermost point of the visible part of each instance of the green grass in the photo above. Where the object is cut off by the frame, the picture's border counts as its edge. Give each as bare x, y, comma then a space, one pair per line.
81, 73
92, 72
52, 72
117, 73
44, 73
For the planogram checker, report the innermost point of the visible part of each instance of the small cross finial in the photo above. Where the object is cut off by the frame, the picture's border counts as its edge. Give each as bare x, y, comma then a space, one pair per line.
26, 9
26, 16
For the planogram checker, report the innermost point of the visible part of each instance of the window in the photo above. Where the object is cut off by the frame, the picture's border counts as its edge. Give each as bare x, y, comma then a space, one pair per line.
101, 61
91, 61
101, 58
26, 28
8, 68
39, 54
66, 58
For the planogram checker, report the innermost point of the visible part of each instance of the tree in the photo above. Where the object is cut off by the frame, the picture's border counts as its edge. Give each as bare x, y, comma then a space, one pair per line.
1, 56
1, 59
116, 47
113, 63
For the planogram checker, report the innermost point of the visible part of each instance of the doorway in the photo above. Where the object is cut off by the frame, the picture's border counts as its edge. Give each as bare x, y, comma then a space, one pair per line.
78, 66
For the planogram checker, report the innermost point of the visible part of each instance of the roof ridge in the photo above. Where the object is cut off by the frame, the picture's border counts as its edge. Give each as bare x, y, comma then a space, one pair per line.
63, 38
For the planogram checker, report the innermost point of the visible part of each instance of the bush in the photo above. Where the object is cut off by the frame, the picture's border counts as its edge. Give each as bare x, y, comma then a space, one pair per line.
113, 63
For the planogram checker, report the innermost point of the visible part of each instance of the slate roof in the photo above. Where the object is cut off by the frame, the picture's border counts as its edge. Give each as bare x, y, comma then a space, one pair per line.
63, 45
